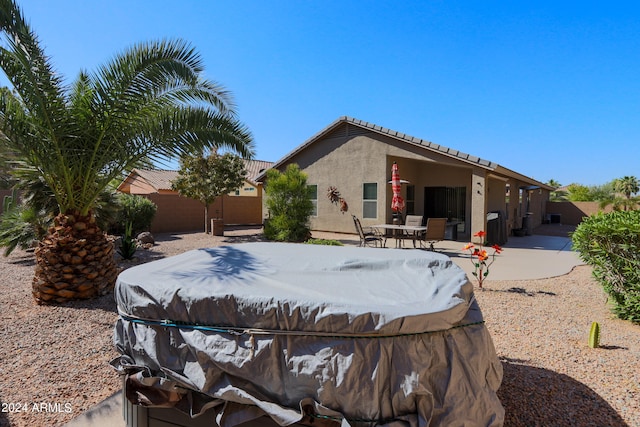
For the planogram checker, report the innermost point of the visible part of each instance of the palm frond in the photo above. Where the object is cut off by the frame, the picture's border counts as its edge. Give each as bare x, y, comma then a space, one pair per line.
156, 74
147, 103
27, 67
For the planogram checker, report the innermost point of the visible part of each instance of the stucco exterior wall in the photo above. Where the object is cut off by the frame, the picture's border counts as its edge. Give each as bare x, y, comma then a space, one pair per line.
496, 195
247, 190
347, 162
538, 206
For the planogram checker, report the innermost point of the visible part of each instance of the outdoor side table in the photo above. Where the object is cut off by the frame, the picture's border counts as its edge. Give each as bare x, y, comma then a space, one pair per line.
293, 334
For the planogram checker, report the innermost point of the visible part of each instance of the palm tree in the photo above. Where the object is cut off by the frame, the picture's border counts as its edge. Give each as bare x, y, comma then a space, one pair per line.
556, 195
627, 185
149, 102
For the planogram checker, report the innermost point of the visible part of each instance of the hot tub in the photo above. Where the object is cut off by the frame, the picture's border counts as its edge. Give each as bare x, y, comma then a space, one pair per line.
295, 333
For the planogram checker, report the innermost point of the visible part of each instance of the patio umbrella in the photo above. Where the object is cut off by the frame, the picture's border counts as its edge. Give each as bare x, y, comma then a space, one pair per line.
397, 202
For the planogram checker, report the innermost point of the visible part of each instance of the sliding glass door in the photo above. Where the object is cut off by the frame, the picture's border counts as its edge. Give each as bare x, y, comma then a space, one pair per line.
446, 202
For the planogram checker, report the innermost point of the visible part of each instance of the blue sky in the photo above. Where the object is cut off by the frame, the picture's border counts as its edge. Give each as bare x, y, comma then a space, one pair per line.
548, 89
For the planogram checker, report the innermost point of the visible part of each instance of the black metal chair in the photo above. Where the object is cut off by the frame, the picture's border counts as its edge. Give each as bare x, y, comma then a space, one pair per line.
368, 237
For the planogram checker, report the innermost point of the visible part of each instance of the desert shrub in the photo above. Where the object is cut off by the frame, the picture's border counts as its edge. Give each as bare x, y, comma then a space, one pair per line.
134, 209
128, 246
610, 243
289, 205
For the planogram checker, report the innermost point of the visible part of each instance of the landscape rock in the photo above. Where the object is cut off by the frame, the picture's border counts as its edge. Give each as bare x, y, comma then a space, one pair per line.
145, 238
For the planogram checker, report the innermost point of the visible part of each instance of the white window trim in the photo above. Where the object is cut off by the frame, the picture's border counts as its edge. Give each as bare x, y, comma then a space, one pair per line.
370, 201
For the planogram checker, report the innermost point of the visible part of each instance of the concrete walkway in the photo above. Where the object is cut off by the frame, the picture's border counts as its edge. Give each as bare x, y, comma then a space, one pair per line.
523, 258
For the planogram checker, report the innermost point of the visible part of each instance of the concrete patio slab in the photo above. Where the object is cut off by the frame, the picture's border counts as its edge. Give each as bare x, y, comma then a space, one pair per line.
523, 258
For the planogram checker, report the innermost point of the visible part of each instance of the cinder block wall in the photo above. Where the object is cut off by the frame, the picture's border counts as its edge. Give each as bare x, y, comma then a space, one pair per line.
178, 214
571, 213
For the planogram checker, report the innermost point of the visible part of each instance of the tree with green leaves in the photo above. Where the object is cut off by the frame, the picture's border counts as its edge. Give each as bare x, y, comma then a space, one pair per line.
149, 102
289, 204
207, 178
579, 193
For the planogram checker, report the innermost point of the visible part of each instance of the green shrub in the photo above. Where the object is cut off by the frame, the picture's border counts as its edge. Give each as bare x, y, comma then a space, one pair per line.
326, 242
134, 209
22, 226
610, 243
289, 205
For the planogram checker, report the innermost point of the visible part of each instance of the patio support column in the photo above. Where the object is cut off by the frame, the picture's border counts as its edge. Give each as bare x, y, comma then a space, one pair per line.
514, 203
478, 203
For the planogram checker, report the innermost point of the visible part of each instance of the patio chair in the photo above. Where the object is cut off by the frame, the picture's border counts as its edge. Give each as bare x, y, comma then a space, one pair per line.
368, 237
436, 228
412, 221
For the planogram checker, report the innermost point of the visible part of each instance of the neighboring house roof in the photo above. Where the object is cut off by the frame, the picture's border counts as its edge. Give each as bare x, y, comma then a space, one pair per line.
161, 179
157, 178
255, 168
459, 155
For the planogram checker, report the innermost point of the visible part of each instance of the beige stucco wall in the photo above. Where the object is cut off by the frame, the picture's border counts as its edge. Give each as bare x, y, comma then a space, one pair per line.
348, 162
247, 190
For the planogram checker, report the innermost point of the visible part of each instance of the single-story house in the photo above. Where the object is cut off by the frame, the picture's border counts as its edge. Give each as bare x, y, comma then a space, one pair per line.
177, 213
356, 157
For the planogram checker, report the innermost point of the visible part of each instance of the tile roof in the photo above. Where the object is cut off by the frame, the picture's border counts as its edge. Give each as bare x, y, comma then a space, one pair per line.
413, 140
255, 168
157, 178
392, 133
459, 155
161, 179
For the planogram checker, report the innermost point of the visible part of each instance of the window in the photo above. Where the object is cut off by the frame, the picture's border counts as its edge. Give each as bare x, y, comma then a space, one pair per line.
370, 200
411, 200
313, 195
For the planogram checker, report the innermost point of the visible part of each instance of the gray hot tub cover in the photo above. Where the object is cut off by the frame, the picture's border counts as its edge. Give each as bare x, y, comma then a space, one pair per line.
364, 336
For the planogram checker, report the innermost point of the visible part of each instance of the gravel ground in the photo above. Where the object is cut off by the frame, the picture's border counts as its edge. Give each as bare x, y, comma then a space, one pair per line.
54, 360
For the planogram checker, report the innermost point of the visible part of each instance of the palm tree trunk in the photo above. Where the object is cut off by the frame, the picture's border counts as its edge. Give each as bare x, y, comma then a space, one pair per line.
74, 261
